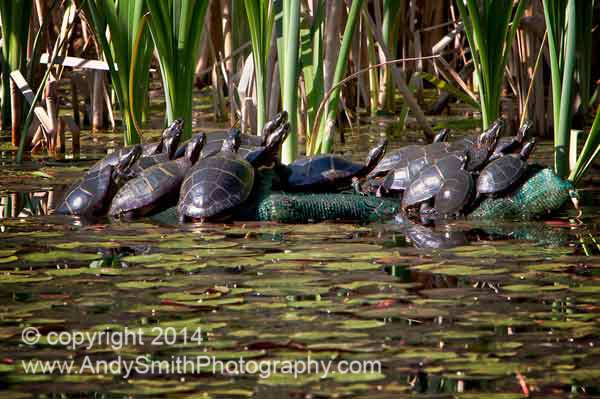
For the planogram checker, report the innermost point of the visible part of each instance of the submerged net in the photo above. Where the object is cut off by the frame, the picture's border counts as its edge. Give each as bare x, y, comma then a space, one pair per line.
541, 193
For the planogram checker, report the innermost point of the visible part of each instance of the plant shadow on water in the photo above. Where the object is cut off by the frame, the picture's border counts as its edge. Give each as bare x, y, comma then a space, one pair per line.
469, 310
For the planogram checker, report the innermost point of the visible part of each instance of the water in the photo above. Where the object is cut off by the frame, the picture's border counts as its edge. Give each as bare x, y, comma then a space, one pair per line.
498, 311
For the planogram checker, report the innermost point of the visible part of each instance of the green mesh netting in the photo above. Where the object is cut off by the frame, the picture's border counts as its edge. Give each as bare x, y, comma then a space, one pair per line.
302, 208
541, 193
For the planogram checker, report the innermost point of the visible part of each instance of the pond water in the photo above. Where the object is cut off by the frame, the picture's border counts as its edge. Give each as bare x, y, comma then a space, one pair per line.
234, 310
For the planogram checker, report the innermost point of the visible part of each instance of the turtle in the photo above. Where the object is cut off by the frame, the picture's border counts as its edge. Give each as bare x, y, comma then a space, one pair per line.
248, 142
328, 172
156, 188
479, 148
169, 147
431, 179
507, 145
216, 185
400, 178
501, 174
148, 149
456, 193
399, 157
91, 195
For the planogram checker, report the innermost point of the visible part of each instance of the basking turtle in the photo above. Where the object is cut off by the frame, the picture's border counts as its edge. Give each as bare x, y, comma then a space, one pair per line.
500, 175
456, 193
148, 149
401, 156
169, 147
508, 145
431, 179
479, 148
156, 188
248, 142
403, 175
217, 185
328, 172
92, 194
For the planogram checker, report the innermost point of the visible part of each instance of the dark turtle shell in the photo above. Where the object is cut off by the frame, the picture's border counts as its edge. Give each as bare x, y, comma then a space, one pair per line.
214, 186
501, 174
90, 195
156, 188
399, 158
409, 169
217, 184
326, 173
455, 194
431, 179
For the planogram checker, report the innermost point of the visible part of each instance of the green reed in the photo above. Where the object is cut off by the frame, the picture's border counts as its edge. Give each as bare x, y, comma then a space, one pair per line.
128, 55
490, 26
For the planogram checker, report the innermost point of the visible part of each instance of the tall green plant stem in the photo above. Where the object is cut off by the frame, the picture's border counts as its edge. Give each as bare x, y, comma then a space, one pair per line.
490, 30
561, 141
176, 28
14, 15
260, 21
291, 33
562, 24
123, 19
325, 138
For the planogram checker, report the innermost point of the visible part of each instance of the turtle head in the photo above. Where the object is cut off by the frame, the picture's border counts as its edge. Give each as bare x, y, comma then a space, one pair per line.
172, 136
376, 154
527, 149
194, 147
522, 133
272, 125
489, 138
233, 141
441, 136
276, 139
266, 156
128, 158
176, 125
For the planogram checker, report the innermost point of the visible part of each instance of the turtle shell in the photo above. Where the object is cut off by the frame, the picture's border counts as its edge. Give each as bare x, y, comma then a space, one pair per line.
147, 162
455, 194
153, 190
394, 160
403, 175
88, 196
214, 186
321, 173
431, 179
501, 174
